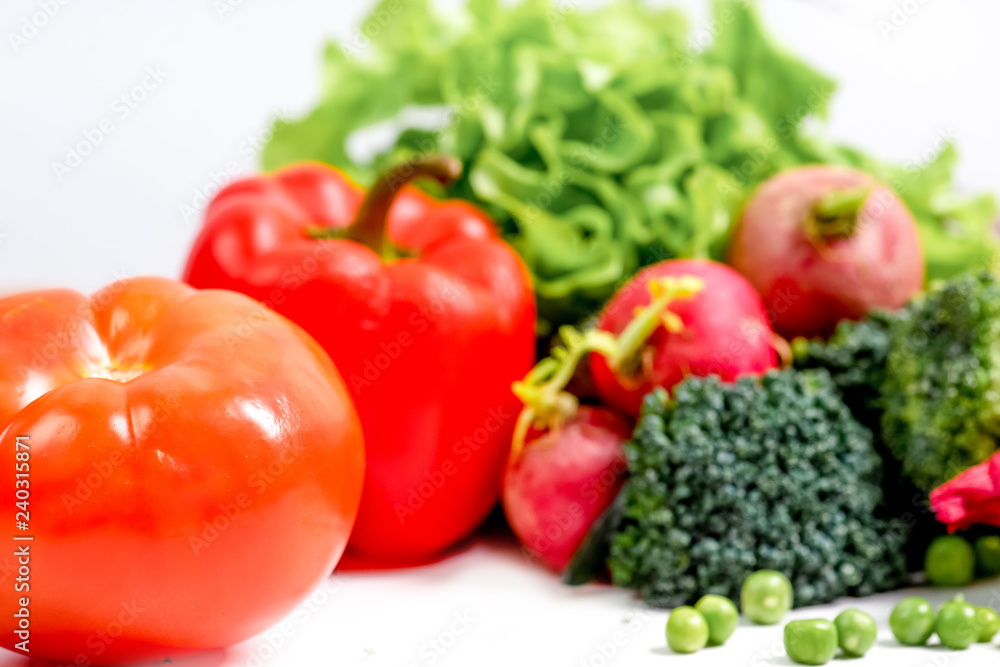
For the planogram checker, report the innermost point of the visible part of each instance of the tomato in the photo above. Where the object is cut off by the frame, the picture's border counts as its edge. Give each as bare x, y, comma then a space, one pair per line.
188, 466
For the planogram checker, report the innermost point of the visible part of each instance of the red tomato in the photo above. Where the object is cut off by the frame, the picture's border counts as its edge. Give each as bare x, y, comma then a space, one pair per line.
189, 464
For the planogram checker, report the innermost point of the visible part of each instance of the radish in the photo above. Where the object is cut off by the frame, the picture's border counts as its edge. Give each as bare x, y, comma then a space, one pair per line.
722, 329
823, 244
563, 481
567, 462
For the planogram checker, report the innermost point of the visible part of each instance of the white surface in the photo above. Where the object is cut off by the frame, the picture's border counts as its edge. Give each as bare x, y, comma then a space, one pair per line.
224, 74
487, 608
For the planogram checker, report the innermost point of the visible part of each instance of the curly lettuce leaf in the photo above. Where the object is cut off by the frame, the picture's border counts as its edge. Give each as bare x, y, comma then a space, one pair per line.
601, 140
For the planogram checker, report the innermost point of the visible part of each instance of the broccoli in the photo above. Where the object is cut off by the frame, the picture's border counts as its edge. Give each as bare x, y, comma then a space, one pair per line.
769, 473
941, 394
855, 355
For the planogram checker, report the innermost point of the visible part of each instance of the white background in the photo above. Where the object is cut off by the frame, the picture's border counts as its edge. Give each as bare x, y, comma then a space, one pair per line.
228, 67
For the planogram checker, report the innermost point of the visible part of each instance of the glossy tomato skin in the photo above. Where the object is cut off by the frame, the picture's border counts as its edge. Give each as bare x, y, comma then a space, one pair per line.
428, 343
726, 333
195, 468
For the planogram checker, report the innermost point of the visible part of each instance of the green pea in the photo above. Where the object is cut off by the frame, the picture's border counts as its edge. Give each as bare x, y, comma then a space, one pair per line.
687, 630
989, 623
721, 615
856, 632
812, 642
912, 621
988, 555
950, 561
956, 624
766, 597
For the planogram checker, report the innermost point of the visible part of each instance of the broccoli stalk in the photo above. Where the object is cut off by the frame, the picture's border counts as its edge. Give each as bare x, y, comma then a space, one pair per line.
768, 473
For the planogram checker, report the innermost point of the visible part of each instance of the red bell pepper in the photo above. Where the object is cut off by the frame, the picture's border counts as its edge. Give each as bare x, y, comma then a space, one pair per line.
971, 497
427, 313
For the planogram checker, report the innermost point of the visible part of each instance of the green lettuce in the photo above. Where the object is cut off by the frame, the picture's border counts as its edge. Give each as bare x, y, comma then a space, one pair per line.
602, 140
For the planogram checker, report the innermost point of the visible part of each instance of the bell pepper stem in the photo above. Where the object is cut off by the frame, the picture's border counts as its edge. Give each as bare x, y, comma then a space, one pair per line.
369, 224
542, 391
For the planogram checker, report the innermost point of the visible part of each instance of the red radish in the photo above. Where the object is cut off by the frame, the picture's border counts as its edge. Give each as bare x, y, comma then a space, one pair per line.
563, 480
567, 462
826, 243
722, 329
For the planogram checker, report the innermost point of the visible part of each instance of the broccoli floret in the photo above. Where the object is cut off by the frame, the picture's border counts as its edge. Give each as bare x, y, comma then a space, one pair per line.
855, 356
768, 473
941, 393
